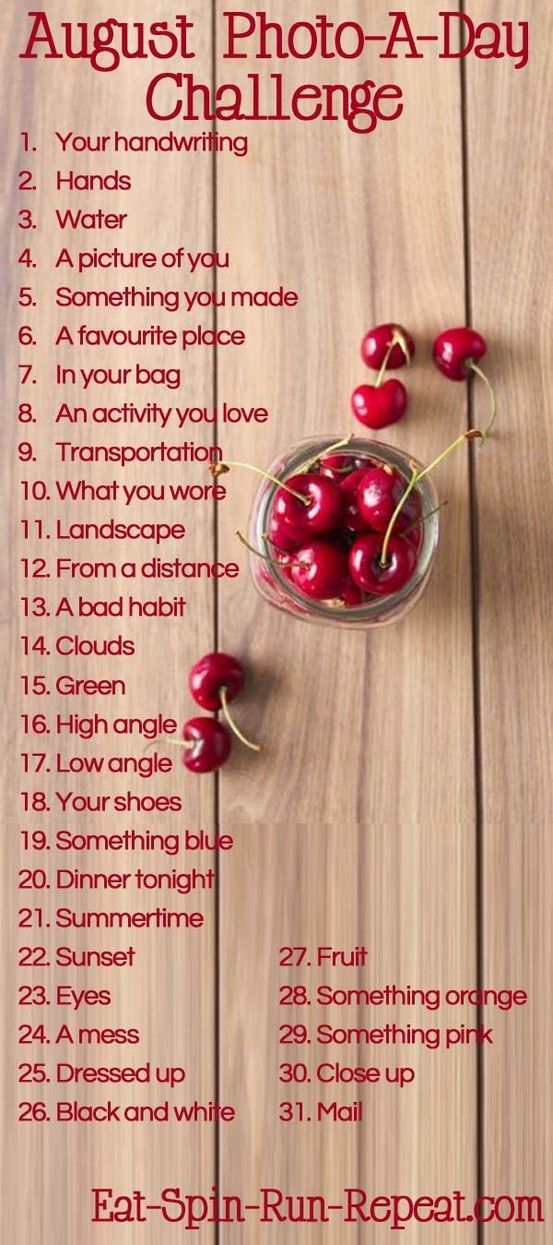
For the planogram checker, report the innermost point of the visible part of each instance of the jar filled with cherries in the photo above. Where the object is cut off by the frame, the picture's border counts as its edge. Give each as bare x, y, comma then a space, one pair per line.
323, 544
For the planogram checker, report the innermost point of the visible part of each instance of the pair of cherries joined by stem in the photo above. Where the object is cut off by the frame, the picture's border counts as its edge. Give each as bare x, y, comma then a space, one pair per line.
385, 348
213, 681
456, 352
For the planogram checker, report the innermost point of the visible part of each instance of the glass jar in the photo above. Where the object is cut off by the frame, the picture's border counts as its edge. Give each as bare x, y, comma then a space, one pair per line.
274, 585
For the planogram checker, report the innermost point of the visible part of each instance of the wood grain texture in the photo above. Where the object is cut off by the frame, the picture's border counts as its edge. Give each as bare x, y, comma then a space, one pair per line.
511, 182
48, 1170
344, 885
361, 824
365, 818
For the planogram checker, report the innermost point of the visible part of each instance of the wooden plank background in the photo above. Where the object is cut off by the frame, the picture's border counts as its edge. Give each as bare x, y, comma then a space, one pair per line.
403, 796
168, 994
511, 292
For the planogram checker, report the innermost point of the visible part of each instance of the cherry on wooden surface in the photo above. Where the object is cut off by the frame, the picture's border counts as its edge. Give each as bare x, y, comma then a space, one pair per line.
211, 674
377, 342
207, 745
455, 349
377, 407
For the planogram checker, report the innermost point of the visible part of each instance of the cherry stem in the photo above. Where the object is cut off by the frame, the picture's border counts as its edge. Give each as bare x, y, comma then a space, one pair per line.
396, 341
338, 445
390, 528
418, 522
264, 556
402, 341
268, 540
472, 435
170, 743
493, 399
232, 724
220, 468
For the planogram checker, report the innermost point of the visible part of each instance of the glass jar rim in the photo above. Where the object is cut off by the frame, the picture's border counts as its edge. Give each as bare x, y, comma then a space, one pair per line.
295, 458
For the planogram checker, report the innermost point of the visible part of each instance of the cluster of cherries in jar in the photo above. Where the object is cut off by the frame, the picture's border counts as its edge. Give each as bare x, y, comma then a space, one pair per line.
328, 525
206, 742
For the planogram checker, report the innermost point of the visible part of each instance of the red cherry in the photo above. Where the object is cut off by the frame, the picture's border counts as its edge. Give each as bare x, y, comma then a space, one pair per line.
214, 681
456, 349
320, 570
321, 513
351, 516
336, 466
352, 596
365, 568
210, 674
376, 344
283, 537
378, 494
377, 407
209, 745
